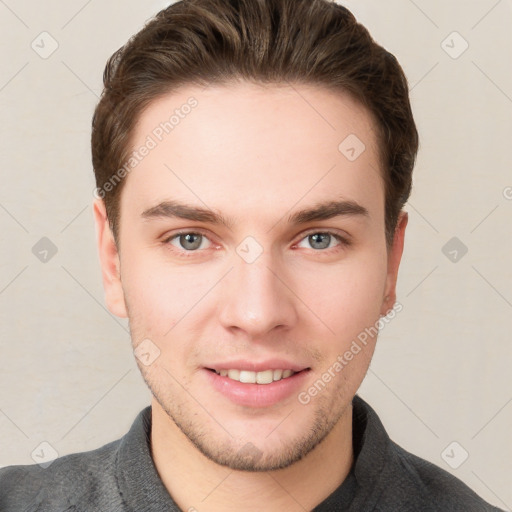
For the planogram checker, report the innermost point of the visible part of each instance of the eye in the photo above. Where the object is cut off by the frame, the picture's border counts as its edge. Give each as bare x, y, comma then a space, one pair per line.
193, 241
189, 241
320, 240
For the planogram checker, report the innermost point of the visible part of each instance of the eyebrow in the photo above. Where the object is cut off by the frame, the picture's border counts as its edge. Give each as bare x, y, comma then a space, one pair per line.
175, 209
321, 211
328, 210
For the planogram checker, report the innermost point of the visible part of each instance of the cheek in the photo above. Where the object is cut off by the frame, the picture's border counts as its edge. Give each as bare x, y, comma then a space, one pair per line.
156, 297
338, 300
346, 298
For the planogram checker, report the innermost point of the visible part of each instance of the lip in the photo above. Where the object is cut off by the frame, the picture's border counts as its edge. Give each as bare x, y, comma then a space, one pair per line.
256, 395
254, 366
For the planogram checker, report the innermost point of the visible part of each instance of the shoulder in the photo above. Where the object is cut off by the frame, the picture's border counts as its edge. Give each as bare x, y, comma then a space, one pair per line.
68, 481
391, 478
421, 481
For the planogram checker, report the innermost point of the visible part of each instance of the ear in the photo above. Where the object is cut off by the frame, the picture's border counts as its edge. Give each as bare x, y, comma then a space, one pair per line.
394, 257
109, 260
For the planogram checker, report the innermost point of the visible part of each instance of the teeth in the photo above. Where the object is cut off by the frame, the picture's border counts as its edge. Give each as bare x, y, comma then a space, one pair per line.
234, 374
265, 377
248, 377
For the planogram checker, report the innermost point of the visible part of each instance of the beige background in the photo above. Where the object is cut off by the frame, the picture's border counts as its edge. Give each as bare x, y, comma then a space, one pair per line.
441, 372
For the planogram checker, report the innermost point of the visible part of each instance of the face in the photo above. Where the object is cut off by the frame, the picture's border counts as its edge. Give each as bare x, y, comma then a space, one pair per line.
252, 247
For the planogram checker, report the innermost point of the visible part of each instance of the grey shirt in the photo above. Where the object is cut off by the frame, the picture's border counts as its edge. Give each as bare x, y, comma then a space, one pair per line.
121, 476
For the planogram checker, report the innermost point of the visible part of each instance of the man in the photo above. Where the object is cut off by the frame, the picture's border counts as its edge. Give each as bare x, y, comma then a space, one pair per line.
252, 160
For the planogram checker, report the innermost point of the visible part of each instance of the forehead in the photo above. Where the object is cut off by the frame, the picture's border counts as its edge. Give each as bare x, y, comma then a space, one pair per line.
265, 145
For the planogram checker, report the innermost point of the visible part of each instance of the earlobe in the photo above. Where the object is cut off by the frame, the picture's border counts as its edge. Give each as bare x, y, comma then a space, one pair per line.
109, 261
394, 258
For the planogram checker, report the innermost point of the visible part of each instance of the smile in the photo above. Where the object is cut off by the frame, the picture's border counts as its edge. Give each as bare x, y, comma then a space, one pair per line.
262, 377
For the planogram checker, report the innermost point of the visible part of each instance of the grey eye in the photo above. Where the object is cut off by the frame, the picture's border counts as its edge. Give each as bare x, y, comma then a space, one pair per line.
188, 241
319, 240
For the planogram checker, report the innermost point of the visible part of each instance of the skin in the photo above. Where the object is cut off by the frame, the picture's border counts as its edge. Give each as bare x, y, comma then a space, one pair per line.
255, 155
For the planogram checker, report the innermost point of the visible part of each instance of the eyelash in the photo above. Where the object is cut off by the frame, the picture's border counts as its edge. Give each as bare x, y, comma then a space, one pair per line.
187, 254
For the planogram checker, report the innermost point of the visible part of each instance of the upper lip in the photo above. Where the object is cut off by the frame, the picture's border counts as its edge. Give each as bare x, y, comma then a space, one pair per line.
257, 366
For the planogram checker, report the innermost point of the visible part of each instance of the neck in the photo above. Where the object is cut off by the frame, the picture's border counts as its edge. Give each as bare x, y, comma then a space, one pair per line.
197, 483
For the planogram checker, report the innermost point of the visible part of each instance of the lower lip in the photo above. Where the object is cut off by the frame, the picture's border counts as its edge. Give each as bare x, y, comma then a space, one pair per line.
257, 395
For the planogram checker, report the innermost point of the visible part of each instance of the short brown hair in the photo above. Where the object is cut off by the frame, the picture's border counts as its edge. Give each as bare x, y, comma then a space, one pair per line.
201, 42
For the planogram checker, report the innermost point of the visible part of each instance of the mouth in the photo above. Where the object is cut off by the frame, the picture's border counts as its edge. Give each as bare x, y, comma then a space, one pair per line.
257, 385
261, 377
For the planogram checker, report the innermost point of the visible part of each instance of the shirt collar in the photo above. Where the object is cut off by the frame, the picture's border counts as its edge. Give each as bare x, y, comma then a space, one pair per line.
142, 489
137, 478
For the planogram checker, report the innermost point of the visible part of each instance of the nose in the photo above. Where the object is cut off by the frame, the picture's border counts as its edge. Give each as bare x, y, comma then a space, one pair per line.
257, 298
